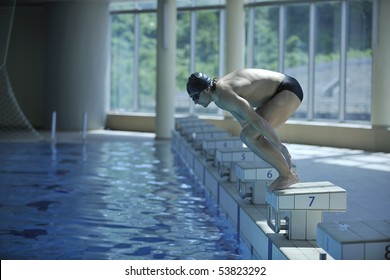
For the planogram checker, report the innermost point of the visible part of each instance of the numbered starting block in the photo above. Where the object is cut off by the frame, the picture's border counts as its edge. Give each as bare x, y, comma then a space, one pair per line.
185, 121
253, 178
359, 240
227, 157
298, 209
210, 144
198, 137
188, 131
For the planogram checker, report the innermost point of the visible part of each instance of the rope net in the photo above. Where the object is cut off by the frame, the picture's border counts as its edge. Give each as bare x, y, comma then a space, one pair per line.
14, 126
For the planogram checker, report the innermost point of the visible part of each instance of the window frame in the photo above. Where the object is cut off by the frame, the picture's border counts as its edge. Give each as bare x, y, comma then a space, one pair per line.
250, 6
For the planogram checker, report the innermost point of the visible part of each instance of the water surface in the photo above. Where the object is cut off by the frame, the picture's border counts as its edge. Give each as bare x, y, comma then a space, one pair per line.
107, 200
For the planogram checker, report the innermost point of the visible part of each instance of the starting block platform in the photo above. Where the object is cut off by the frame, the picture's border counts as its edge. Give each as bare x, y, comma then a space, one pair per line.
253, 178
323, 196
211, 144
236, 154
185, 125
227, 157
254, 171
188, 132
298, 209
186, 121
198, 137
360, 240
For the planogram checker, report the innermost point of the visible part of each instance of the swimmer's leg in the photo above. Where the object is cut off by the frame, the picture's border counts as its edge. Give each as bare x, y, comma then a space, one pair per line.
269, 153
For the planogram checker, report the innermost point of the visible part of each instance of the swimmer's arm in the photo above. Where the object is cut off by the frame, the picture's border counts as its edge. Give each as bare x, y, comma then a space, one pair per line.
241, 108
246, 115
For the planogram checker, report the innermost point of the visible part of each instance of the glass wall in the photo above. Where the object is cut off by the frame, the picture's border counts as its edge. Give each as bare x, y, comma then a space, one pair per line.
147, 62
133, 56
207, 44
326, 45
359, 61
133, 53
183, 61
262, 25
122, 63
198, 45
327, 61
296, 49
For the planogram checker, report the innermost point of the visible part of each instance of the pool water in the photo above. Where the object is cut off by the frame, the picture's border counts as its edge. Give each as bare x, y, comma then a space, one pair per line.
107, 200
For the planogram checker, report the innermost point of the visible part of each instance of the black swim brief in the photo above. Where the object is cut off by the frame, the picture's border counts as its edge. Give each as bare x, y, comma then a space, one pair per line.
291, 84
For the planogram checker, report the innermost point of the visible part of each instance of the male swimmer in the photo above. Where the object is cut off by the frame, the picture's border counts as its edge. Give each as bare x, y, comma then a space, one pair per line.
260, 100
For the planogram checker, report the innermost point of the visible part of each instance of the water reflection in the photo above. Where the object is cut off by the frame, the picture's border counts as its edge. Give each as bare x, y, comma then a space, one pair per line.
107, 200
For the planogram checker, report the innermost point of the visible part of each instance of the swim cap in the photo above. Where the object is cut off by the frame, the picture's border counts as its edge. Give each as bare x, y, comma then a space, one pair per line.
197, 82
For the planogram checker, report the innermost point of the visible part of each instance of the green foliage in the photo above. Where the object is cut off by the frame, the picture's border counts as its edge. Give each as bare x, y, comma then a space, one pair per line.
148, 57
266, 38
183, 37
122, 60
207, 42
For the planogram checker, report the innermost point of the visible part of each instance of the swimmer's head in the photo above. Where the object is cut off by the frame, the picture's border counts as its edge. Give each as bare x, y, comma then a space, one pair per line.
197, 82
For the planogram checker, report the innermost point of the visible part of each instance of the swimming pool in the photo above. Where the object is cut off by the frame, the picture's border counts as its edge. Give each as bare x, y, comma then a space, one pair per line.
107, 200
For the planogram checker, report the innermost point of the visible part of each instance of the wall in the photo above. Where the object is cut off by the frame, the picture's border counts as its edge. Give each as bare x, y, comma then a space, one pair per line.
76, 63
351, 136
25, 61
58, 61
381, 68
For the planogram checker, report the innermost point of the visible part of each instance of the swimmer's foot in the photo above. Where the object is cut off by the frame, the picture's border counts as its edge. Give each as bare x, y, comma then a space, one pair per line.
284, 182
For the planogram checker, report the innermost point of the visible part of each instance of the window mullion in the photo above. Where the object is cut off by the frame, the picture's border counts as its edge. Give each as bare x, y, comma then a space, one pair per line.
137, 32
312, 59
343, 60
282, 37
222, 40
192, 51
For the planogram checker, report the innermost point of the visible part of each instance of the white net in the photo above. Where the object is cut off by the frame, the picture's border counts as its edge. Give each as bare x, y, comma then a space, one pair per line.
14, 126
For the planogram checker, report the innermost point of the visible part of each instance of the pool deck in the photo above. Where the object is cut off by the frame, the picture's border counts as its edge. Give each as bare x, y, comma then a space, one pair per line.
364, 175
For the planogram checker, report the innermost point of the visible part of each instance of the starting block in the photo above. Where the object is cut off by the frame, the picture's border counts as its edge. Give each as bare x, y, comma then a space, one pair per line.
226, 157
178, 134
360, 240
182, 125
198, 137
298, 209
210, 144
188, 131
253, 178
181, 122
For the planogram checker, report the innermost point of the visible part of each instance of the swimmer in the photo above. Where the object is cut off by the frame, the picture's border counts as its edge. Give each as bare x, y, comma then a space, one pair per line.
260, 100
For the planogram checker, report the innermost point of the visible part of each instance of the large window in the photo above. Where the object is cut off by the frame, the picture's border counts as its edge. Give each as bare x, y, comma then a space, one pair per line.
123, 83
326, 45
295, 61
359, 61
198, 49
133, 61
262, 24
327, 61
133, 53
